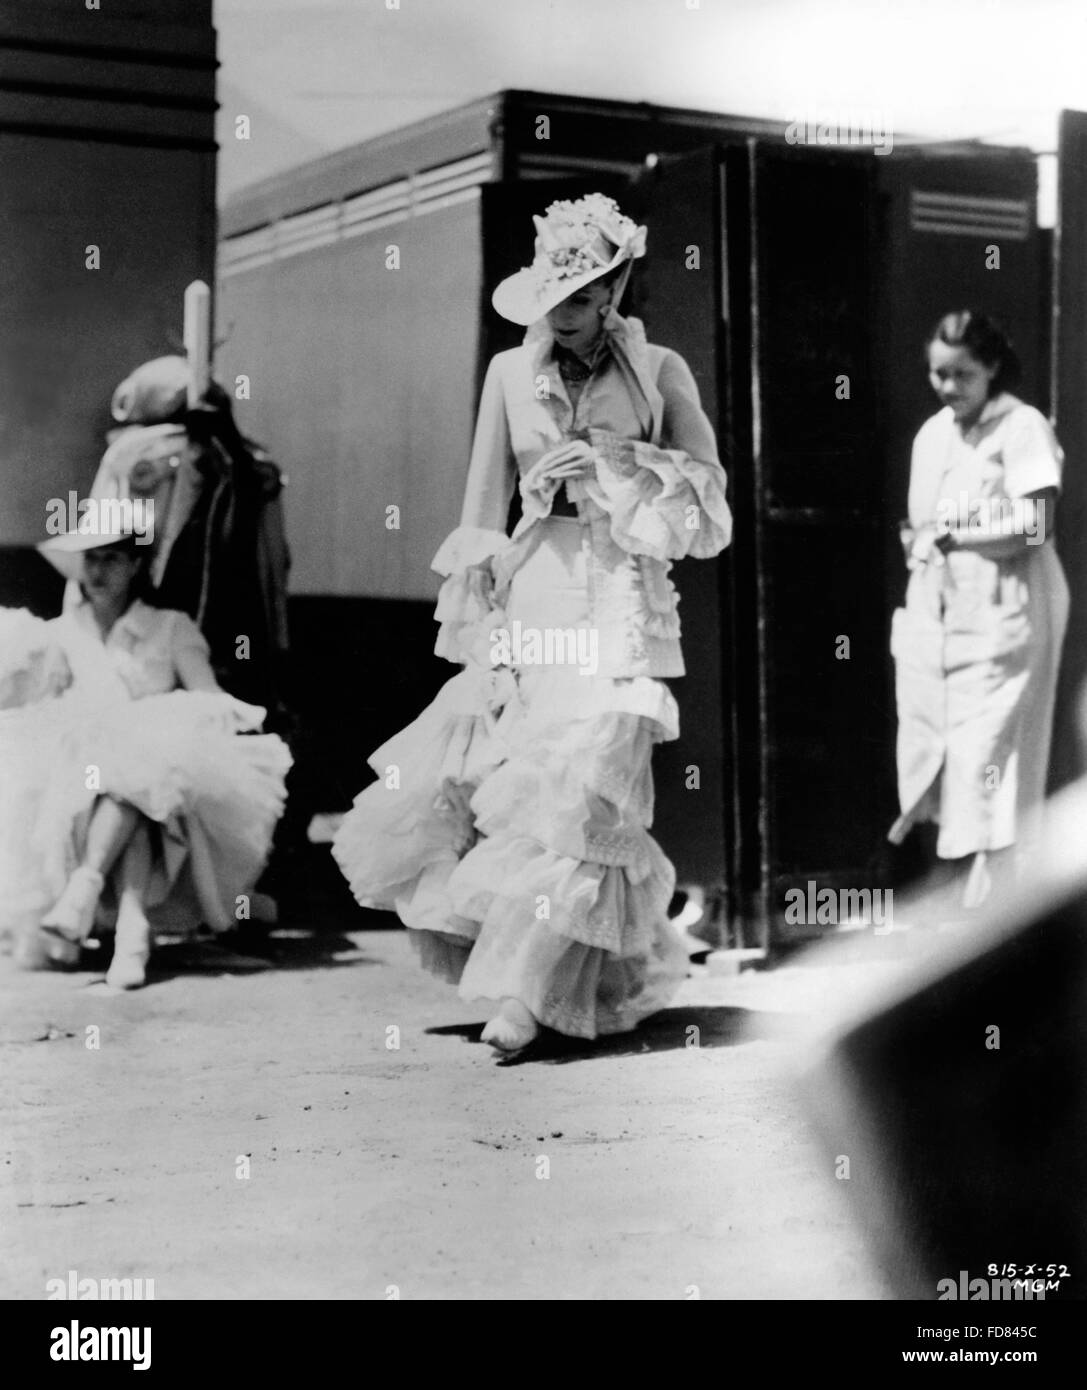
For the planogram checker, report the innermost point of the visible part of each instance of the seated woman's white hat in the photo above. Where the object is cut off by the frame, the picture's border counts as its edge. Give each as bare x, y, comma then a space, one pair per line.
576, 243
65, 552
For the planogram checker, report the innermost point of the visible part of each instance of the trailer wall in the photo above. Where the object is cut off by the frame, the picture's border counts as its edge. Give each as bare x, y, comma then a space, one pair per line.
361, 363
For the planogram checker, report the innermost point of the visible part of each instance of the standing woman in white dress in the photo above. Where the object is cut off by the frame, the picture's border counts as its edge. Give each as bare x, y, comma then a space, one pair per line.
977, 644
509, 826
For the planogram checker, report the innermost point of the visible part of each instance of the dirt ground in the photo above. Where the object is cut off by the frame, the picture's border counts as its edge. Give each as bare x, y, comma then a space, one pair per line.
635, 1168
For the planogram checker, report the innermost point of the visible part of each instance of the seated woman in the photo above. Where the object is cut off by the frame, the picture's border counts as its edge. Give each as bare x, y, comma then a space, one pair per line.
130, 792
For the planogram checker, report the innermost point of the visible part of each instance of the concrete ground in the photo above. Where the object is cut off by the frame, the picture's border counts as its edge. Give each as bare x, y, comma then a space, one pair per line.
249, 1129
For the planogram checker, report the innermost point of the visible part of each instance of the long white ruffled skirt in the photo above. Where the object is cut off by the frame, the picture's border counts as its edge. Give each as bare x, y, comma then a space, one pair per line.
509, 825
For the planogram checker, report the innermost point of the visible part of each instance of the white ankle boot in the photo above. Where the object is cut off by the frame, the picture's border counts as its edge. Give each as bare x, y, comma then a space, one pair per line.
512, 1028
68, 923
131, 950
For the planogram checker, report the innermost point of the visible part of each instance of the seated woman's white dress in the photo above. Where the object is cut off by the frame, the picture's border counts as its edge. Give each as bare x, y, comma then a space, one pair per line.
117, 725
509, 825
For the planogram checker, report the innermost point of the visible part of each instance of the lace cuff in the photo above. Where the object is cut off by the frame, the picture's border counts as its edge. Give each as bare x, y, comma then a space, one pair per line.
662, 503
465, 547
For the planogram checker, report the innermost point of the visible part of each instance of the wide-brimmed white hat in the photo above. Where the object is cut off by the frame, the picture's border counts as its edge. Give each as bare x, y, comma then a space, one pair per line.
576, 243
65, 552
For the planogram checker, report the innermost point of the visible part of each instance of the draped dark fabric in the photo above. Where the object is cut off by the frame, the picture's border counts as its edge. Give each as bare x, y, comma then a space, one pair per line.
226, 556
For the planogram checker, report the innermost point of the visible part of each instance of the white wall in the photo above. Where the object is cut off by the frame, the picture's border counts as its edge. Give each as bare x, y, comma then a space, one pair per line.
337, 73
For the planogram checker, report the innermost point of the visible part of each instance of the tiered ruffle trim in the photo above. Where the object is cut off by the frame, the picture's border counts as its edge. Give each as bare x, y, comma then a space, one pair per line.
509, 828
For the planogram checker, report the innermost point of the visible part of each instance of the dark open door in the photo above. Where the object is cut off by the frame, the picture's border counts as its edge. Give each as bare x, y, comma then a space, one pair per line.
825, 713
854, 258
1070, 410
677, 292
785, 636
819, 272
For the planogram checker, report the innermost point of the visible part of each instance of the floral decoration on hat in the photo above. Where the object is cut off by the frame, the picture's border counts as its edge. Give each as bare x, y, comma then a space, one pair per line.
577, 241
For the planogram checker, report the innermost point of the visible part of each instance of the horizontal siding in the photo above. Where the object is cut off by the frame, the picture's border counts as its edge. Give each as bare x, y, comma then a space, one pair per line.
363, 386
427, 144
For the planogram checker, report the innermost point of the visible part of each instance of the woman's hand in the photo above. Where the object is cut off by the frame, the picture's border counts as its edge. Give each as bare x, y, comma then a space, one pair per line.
1011, 526
234, 716
575, 459
922, 546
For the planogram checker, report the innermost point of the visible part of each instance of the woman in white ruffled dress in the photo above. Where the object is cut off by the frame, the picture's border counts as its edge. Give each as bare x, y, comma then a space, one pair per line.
510, 823
129, 794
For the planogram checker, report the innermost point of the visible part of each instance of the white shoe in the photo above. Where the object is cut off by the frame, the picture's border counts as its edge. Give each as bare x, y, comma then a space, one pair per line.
72, 915
512, 1028
131, 950
126, 972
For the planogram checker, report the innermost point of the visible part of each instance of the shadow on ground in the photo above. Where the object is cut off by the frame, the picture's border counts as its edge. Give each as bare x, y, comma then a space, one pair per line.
248, 952
251, 953
667, 1031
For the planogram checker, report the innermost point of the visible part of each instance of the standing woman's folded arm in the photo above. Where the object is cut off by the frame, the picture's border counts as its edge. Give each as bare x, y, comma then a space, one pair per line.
668, 501
464, 556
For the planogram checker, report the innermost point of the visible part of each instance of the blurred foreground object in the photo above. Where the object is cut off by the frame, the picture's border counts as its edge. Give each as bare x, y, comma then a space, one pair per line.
958, 1095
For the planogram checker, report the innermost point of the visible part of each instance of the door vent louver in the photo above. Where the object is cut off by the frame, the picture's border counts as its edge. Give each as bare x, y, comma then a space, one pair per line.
958, 215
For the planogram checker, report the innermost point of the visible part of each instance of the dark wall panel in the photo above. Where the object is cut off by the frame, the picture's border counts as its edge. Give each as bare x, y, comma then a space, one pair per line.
680, 305
106, 140
1069, 734
71, 334
827, 707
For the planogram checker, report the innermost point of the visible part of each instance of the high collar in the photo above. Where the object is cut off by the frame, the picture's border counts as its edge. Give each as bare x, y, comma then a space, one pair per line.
626, 341
1002, 404
600, 351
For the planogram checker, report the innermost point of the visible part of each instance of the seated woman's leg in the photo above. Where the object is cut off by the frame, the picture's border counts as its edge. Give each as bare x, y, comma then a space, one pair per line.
70, 919
132, 945
112, 826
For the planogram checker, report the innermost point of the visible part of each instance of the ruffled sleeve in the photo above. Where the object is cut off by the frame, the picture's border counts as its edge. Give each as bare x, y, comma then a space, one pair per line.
464, 608
466, 611
665, 502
